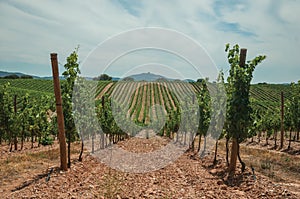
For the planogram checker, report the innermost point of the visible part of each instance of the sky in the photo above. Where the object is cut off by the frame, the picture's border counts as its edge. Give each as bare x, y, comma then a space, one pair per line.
112, 39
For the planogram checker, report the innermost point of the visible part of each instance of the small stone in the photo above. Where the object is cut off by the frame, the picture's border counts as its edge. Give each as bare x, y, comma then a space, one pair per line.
239, 193
213, 171
220, 182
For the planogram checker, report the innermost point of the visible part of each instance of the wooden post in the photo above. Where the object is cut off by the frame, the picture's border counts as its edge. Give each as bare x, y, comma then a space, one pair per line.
243, 55
282, 121
235, 146
59, 111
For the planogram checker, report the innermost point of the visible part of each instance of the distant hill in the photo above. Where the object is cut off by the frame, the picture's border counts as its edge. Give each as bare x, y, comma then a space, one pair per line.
149, 77
115, 78
189, 80
5, 73
137, 77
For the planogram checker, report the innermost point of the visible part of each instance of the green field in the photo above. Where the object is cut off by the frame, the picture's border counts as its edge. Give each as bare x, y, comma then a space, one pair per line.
267, 96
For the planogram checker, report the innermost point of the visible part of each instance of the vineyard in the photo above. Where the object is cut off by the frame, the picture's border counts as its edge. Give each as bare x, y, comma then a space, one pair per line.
28, 118
143, 102
143, 96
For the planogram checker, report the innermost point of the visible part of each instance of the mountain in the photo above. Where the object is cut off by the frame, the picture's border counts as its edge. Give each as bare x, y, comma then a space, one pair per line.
149, 77
4, 73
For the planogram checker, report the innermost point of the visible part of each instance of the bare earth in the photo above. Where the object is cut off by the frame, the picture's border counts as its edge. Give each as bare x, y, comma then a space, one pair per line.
188, 177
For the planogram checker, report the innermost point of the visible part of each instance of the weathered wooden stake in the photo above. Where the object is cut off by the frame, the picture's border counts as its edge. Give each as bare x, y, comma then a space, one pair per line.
235, 144
243, 54
59, 111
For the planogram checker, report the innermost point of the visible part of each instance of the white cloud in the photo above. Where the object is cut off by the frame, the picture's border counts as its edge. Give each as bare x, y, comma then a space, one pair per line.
30, 30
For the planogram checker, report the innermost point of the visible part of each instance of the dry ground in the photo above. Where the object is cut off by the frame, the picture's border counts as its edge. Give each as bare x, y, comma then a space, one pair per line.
23, 175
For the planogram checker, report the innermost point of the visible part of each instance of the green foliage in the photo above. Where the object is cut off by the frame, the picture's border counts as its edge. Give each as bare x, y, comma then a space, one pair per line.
204, 102
13, 76
295, 106
30, 116
218, 108
106, 118
47, 140
70, 74
34, 86
84, 108
271, 122
238, 107
103, 77
6, 110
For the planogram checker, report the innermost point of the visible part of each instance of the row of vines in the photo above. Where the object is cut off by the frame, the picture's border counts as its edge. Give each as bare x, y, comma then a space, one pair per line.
26, 114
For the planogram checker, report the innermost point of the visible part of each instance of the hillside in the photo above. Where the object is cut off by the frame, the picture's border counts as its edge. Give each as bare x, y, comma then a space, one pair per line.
4, 73
19, 74
149, 77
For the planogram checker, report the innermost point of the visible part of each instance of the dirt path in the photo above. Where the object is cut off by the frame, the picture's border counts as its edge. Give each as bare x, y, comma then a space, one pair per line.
185, 178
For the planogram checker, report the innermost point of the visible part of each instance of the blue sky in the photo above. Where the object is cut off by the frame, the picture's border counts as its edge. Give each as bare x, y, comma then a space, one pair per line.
31, 30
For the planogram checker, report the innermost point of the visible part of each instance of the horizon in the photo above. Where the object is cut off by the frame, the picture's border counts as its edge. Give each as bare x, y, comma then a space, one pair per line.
31, 31
116, 77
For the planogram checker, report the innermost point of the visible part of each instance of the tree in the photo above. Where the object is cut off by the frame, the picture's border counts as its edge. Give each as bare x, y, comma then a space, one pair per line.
200, 80
12, 76
26, 77
238, 106
70, 74
103, 77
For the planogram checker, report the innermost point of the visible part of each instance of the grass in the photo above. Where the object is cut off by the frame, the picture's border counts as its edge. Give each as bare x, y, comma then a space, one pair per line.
15, 168
112, 184
277, 165
12, 167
